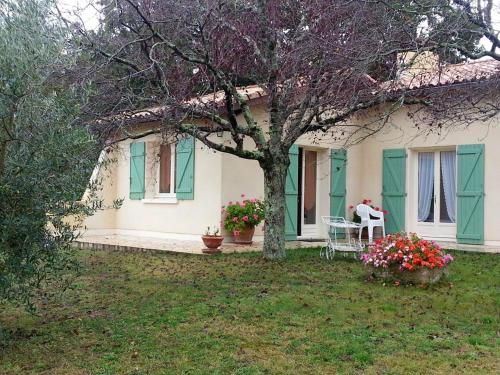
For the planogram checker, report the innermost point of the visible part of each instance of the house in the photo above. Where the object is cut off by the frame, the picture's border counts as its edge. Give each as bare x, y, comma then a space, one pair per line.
440, 186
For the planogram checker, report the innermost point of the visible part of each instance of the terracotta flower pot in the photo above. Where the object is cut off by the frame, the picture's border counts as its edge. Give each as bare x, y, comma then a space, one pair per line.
212, 243
245, 236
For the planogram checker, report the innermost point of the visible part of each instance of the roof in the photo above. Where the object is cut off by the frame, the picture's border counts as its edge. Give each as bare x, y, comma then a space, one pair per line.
446, 75
467, 72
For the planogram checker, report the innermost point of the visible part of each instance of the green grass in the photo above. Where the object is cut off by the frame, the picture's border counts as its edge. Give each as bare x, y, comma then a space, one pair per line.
174, 314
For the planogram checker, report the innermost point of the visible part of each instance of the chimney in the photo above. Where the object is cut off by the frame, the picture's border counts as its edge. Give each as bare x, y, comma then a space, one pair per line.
411, 64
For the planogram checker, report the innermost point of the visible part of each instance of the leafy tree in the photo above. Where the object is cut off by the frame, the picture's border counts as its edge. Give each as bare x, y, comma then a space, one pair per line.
313, 60
46, 156
455, 27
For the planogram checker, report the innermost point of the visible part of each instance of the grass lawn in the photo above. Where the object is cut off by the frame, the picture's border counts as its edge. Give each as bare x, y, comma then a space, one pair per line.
173, 314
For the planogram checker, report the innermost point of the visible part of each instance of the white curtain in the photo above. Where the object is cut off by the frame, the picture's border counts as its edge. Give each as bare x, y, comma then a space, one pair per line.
448, 171
425, 184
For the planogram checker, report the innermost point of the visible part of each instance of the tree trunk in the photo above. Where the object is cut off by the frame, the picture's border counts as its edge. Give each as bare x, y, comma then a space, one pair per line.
274, 191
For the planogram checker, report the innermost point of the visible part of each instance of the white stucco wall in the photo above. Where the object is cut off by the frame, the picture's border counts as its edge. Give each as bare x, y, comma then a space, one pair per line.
152, 216
105, 219
220, 178
401, 132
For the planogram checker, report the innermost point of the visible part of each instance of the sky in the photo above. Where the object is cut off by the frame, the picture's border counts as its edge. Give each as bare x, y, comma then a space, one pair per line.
86, 9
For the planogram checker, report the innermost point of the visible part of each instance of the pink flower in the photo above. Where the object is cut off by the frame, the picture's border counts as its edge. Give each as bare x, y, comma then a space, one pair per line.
351, 207
235, 219
243, 204
236, 233
377, 209
230, 203
243, 195
256, 217
245, 218
253, 200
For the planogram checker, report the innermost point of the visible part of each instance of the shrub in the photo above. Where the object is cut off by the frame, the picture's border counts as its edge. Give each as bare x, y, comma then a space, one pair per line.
238, 215
407, 252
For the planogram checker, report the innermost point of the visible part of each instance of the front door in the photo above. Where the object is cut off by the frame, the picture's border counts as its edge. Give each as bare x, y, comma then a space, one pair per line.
436, 194
309, 197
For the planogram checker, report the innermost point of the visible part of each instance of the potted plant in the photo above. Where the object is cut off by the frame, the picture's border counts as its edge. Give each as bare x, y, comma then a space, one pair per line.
212, 240
406, 258
356, 219
240, 218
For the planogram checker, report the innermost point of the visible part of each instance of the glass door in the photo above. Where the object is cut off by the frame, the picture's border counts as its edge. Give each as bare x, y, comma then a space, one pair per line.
436, 208
309, 209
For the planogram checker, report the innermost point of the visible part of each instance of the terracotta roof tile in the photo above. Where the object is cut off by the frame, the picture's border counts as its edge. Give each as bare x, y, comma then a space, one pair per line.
447, 75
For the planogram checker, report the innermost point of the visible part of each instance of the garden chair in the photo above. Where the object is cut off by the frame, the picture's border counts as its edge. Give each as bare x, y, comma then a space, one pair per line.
366, 213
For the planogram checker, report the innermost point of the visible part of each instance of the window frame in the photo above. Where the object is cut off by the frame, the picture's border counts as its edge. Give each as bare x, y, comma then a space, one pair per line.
172, 193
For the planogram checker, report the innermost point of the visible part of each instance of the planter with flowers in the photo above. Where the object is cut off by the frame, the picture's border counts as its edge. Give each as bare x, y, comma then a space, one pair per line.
212, 240
356, 219
240, 218
406, 258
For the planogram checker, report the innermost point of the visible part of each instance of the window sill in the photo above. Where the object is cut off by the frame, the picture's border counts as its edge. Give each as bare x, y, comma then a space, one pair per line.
161, 200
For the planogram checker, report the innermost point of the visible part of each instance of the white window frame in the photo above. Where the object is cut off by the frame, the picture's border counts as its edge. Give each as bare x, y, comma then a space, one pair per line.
164, 198
433, 230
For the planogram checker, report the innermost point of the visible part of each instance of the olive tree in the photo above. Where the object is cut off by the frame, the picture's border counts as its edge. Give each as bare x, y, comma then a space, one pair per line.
46, 156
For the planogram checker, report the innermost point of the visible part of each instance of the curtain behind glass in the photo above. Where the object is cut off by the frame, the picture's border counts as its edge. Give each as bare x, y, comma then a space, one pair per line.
425, 184
448, 172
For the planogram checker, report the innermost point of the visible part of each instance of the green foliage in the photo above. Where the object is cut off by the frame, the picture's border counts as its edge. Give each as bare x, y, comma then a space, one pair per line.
238, 215
46, 157
240, 314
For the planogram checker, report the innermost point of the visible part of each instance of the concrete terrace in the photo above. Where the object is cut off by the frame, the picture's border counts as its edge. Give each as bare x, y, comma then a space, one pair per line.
121, 242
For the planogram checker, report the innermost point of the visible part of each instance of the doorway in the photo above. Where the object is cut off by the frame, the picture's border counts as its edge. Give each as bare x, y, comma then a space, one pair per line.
435, 201
308, 194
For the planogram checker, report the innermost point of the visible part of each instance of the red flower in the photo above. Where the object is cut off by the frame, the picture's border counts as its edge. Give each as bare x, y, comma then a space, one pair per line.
245, 218
377, 208
408, 266
351, 207
365, 201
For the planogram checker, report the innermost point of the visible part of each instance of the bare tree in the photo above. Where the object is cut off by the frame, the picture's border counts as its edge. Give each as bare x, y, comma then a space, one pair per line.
312, 63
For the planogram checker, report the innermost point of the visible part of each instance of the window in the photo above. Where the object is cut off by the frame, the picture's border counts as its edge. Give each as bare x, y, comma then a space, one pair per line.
166, 170
437, 187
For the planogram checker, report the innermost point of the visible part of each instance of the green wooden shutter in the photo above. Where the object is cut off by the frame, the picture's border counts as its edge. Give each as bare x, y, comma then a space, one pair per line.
338, 167
291, 194
470, 194
184, 169
137, 166
394, 189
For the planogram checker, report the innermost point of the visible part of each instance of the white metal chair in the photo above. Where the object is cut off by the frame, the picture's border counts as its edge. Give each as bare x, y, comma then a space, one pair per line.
364, 211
